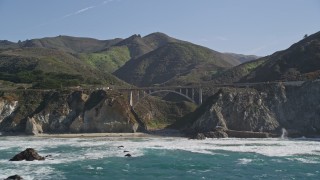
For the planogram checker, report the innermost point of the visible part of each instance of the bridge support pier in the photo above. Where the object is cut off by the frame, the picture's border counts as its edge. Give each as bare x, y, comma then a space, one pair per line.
192, 94
130, 99
200, 96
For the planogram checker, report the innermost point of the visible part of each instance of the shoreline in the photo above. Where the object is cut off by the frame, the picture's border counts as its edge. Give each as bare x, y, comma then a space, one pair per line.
93, 135
151, 133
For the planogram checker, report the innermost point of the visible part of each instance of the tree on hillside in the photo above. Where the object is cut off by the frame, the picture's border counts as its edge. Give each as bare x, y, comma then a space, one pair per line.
305, 36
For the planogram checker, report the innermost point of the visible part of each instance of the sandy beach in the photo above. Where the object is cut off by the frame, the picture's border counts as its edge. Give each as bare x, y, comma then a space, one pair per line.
154, 133
90, 135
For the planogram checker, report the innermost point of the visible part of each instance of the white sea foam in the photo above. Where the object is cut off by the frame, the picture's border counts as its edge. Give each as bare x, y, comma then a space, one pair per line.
310, 174
31, 172
244, 161
97, 148
306, 160
90, 167
268, 147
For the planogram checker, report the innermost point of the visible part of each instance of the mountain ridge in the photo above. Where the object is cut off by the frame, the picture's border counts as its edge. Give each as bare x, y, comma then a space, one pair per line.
63, 54
171, 60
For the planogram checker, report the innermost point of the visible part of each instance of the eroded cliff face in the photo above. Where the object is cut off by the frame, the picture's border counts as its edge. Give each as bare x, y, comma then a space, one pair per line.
7, 107
265, 108
35, 112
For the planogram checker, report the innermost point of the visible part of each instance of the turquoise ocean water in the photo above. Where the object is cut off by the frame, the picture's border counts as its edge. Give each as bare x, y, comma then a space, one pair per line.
163, 158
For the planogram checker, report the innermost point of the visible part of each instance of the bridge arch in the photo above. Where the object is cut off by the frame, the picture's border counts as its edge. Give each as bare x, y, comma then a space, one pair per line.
158, 91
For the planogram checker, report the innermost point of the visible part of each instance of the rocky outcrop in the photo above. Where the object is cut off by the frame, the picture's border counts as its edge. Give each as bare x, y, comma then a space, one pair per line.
14, 177
36, 111
260, 110
107, 115
247, 134
29, 155
218, 132
7, 106
32, 127
199, 136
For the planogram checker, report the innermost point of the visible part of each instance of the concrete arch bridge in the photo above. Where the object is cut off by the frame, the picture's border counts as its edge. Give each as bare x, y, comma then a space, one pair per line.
190, 93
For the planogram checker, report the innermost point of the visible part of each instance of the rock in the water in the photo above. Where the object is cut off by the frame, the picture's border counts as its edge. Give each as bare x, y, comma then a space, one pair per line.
128, 155
14, 177
216, 134
199, 136
29, 155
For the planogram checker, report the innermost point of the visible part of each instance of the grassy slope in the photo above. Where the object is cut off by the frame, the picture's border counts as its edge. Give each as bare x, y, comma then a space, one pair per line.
235, 74
301, 61
139, 46
108, 60
172, 61
71, 44
51, 67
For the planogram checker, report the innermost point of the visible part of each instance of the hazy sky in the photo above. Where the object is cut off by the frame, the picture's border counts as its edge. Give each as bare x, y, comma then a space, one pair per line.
258, 27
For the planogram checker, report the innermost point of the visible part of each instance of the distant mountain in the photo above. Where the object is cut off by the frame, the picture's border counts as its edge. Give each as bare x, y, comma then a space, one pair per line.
115, 55
155, 59
71, 44
301, 61
74, 60
4, 44
139, 46
174, 63
243, 58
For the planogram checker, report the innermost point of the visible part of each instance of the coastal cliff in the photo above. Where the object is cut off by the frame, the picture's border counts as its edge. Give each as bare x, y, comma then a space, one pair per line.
266, 108
233, 112
33, 112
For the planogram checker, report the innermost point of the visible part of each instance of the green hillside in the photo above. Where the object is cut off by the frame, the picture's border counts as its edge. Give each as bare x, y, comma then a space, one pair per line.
71, 44
139, 46
108, 60
70, 61
154, 59
48, 68
301, 61
172, 61
235, 74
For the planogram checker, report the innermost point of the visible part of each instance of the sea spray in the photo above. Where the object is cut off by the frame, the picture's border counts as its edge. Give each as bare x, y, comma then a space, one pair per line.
284, 133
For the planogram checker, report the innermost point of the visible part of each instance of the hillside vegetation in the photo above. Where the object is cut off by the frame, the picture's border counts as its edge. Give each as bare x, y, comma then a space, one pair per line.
70, 44
108, 60
235, 74
173, 62
301, 61
155, 59
243, 58
48, 68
